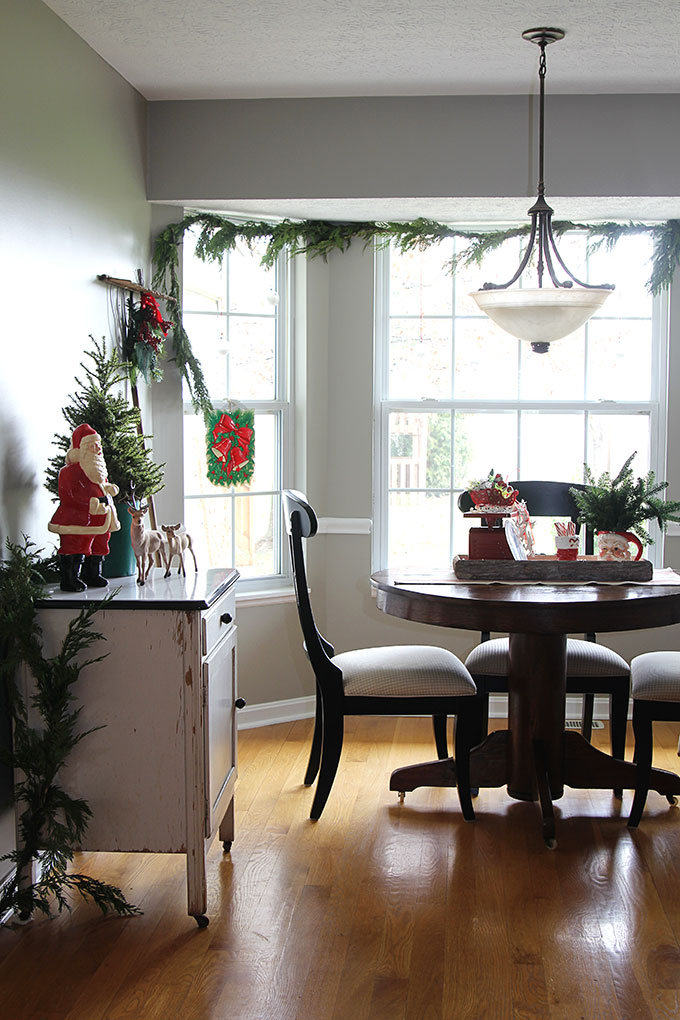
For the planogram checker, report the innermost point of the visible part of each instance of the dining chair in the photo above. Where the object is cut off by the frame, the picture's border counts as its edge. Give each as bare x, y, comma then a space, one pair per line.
655, 684
386, 680
592, 668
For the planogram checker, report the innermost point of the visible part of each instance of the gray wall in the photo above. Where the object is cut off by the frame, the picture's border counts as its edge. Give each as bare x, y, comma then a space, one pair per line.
72, 179
362, 148
419, 146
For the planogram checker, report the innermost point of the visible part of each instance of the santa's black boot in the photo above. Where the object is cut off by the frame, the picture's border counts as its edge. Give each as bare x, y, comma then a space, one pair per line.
91, 573
69, 568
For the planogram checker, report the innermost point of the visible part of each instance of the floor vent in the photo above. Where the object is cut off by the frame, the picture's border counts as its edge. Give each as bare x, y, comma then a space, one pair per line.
575, 724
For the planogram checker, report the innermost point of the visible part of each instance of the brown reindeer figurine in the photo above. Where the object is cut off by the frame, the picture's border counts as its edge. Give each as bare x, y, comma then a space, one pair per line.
145, 543
177, 541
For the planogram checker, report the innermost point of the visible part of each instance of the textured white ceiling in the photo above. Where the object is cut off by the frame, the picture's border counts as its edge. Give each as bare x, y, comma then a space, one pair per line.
221, 49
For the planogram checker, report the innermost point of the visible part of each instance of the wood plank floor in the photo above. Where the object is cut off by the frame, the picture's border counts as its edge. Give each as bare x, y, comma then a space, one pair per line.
378, 911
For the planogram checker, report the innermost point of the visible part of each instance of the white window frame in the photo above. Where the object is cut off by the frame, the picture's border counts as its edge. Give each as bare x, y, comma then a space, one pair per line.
656, 407
279, 583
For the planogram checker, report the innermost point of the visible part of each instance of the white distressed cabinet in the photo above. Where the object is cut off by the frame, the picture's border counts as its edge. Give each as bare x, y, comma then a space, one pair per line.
159, 777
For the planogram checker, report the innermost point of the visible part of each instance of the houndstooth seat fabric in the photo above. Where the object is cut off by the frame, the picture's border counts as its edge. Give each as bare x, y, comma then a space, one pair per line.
655, 676
584, 658
404, 671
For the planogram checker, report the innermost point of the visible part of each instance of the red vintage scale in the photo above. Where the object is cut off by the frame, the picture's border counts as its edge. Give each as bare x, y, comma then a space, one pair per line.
492, 506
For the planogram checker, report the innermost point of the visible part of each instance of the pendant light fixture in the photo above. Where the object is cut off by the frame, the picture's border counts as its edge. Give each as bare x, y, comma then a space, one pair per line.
542, 315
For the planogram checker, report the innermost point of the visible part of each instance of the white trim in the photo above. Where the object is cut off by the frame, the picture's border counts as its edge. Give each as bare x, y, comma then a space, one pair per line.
498, 707
344, 525
266, 597
271, 712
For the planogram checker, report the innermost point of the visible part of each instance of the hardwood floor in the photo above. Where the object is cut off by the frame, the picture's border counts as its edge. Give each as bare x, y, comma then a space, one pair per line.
376, 912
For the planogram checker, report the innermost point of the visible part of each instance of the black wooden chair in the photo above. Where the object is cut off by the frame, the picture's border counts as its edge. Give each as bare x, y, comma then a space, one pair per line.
392, 680
655, 680
592, 668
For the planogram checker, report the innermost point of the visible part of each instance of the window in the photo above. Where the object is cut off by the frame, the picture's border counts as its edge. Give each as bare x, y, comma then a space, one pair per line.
456, 396
235, 313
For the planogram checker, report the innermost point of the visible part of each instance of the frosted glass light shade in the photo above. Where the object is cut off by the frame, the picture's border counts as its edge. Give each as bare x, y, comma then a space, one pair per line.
541, 315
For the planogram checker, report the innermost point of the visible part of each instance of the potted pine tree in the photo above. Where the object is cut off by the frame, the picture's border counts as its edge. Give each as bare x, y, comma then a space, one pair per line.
101, 402
616, 509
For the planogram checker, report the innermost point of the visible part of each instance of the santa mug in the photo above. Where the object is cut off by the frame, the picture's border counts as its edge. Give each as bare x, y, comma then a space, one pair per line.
567, 547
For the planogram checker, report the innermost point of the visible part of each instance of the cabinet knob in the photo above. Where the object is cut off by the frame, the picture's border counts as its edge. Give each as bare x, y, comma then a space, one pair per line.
240, 703
226, 618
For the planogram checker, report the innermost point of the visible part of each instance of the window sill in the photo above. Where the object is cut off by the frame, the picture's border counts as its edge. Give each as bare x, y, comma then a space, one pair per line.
265, 597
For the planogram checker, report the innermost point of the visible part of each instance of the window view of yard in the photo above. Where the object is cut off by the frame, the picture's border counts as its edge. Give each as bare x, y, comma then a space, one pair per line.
233, 315
463, 397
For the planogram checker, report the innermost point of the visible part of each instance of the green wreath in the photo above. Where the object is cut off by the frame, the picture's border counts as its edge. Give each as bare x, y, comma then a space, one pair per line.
230, 444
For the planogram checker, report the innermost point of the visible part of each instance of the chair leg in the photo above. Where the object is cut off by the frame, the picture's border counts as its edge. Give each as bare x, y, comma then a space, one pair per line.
333, 731
618, 724
315, 749
587, 716
642, 728
439, 727
463, 738
481, 716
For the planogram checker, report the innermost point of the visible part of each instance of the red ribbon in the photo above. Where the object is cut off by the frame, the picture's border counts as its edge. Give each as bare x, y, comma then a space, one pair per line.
227, 424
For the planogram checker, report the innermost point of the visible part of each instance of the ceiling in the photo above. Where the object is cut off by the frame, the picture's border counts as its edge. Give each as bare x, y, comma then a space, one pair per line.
222, 49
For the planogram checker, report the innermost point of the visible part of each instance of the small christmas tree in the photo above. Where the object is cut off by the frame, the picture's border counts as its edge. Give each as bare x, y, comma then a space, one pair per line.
101, 404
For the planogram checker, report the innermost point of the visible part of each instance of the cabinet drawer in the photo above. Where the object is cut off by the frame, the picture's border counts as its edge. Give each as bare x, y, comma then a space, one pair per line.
217, 620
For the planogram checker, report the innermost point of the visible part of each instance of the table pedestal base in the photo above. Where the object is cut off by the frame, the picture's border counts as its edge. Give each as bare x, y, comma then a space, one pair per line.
581, 766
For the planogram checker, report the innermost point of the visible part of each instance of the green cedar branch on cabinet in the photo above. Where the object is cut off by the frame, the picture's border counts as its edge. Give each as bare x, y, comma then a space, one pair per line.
51, 823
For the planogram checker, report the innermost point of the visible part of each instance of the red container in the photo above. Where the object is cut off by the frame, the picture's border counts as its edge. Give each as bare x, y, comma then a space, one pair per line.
492, 497
488, 544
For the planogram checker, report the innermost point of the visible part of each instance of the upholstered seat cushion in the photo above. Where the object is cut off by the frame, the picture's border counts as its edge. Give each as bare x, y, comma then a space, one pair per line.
655, 676
403, 671
584, 658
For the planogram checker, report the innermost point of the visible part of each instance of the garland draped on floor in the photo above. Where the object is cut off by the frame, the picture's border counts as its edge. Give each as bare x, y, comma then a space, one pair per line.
312, 238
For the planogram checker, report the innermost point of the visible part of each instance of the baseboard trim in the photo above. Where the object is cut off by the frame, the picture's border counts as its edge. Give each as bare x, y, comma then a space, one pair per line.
269, 713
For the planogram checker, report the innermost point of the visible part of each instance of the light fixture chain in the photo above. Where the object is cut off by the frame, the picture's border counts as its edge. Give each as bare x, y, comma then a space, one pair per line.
541, 120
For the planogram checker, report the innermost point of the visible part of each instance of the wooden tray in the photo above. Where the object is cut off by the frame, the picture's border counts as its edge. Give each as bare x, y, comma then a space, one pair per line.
549, 568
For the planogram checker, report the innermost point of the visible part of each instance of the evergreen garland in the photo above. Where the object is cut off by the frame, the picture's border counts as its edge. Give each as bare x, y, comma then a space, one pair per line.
624, 503
313, 238
51, 822
105, 408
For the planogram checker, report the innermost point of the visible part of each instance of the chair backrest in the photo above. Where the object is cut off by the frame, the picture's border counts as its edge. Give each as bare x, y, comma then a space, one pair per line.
544, 499
301, 522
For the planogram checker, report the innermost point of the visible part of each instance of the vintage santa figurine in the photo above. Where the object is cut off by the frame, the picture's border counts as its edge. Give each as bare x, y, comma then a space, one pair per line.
86, 514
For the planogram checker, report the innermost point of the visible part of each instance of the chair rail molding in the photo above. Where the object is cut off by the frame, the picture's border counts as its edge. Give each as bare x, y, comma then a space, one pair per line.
345, 525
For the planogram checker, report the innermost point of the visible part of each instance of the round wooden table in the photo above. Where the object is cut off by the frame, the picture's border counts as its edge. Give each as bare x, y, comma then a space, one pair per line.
535, 757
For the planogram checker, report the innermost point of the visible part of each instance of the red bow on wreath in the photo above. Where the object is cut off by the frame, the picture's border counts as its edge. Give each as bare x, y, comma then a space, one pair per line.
227, 424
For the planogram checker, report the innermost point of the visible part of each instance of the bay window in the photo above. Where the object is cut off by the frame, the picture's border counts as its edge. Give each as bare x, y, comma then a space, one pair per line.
236, 315
457, 397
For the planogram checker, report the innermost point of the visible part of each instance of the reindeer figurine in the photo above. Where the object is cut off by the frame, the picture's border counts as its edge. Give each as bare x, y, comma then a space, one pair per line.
177, 541
145, 544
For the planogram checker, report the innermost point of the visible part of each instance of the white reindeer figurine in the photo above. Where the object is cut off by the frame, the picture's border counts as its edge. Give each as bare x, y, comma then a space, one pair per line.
177, 541
145, 544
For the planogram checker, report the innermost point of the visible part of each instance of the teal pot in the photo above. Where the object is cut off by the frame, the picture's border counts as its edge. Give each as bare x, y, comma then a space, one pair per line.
120, 561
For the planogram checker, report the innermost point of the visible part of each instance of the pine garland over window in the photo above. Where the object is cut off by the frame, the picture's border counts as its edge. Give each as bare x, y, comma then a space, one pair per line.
313, 238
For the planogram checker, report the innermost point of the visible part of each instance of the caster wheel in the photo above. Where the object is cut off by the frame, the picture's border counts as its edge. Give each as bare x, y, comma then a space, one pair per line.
673, 801
226, 845
202, 921
551, 844
402, 796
